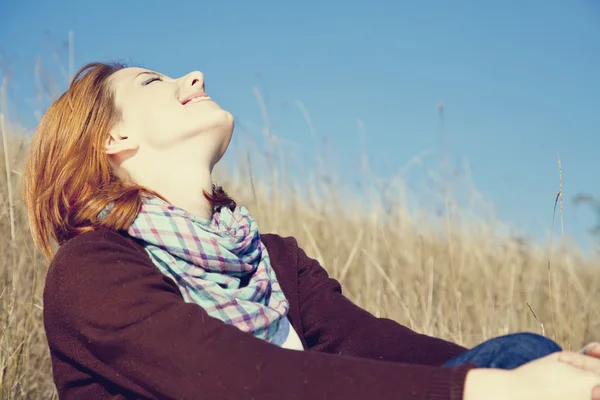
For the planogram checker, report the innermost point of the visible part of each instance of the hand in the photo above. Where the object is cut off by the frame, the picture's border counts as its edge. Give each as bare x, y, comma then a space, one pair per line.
591, 349
562, 375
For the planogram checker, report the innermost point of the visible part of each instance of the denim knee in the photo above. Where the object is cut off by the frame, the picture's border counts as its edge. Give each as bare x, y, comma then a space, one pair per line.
532, 342
507, 352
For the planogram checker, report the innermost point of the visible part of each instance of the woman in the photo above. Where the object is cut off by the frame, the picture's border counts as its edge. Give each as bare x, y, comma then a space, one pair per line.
162, 287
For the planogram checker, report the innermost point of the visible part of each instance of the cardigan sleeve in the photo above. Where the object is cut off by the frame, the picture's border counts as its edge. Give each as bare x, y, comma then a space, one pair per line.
117, 327
333, 324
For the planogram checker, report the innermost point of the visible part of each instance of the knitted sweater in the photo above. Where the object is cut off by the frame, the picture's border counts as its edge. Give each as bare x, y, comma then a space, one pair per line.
118, 328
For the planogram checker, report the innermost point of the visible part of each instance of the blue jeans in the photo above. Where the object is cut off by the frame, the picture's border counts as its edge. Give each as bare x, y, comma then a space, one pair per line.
507, 352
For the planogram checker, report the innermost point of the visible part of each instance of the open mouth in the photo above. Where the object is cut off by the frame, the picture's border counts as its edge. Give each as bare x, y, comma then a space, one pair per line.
195, 98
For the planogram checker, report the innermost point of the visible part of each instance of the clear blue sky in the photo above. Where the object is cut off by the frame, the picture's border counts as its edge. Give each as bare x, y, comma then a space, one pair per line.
520, 80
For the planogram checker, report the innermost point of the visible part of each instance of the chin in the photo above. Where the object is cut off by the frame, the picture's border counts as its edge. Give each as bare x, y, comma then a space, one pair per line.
224, 133
230, 119
228, 134
228, 123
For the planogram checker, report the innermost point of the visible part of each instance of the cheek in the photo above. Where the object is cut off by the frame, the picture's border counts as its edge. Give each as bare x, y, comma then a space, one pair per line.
160, 123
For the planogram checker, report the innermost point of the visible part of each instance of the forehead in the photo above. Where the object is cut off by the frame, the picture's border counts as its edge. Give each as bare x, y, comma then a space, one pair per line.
128, 75
123, 81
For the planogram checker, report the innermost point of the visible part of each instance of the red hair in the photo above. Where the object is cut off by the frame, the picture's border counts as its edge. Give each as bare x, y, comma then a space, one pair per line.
67, 180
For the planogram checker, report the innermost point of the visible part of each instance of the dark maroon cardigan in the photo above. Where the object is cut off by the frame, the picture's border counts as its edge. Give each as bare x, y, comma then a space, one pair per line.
118, 328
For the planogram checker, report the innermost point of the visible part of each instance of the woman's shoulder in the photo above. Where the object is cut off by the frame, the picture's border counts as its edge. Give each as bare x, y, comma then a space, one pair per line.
92, 260
86, 246
96, 238
275, 240
282, 249
102, 259
100, 249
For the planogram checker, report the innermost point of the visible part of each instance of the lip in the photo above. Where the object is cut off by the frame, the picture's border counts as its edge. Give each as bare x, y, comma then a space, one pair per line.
193, 96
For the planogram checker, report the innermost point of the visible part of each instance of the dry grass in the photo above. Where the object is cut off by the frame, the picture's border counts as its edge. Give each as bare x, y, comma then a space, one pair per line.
438, 275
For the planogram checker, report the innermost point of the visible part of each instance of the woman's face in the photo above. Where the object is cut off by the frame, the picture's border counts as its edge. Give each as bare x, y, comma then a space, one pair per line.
161, 113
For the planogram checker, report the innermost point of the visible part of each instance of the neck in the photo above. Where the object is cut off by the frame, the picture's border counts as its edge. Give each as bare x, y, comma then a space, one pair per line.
187, 193
182, 186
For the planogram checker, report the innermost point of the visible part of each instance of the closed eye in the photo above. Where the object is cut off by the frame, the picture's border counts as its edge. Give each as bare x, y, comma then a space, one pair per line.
153, 79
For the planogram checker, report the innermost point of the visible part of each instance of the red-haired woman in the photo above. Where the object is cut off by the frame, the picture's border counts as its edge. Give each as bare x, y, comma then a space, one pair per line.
163, 288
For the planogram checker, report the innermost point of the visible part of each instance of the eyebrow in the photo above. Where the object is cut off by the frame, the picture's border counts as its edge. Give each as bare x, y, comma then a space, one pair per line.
147, 73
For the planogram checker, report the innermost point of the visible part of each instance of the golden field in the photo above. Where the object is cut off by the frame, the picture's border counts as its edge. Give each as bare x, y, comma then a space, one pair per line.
434, 273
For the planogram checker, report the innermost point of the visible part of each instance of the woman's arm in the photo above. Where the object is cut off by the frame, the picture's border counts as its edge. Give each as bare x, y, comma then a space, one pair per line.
334, 324
115, 323
560, 375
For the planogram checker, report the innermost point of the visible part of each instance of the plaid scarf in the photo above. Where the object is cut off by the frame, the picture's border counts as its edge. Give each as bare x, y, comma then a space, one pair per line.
219, 264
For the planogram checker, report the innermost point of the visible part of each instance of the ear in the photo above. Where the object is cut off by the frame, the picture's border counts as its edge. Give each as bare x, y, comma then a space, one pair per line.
118, 143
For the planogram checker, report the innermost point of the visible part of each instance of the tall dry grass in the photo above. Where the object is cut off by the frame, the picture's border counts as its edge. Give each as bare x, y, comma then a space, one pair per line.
434, 273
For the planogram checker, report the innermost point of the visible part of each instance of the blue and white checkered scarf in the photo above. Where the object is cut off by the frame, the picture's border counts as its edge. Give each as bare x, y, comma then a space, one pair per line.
219, 264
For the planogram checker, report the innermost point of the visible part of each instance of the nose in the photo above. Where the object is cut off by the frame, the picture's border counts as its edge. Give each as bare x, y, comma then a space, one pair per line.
195, 80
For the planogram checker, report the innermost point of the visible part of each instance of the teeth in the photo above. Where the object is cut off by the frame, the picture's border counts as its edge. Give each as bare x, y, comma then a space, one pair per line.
197, 99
